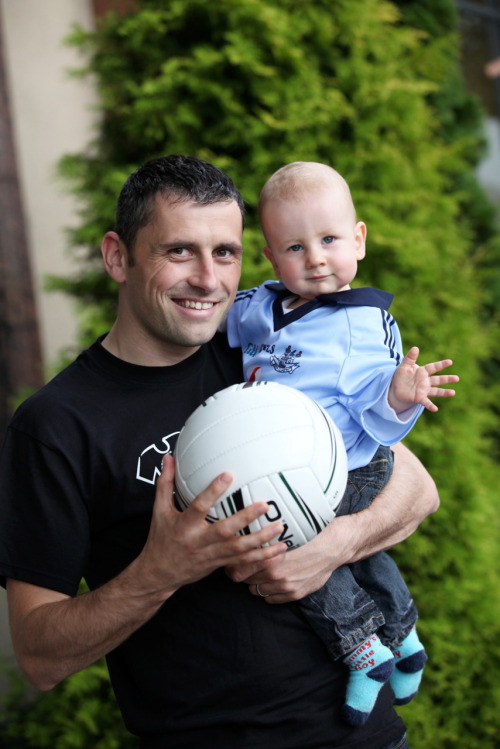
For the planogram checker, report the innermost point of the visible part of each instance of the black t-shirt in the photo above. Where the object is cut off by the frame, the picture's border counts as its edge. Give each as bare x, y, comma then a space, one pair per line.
215, 667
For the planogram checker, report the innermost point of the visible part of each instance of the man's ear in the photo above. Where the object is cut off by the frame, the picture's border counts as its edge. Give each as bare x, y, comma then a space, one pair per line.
114, 255
267, 252
360, 239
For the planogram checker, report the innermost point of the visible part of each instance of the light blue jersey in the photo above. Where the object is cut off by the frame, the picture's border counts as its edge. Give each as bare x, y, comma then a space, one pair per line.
340, 349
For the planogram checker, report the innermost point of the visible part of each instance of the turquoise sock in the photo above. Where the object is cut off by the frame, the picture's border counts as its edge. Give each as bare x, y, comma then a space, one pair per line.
409, 659
370, 666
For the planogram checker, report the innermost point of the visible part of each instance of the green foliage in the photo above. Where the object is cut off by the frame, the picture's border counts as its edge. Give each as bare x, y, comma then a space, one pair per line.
250, 86
374, 89
460, 118
80, 713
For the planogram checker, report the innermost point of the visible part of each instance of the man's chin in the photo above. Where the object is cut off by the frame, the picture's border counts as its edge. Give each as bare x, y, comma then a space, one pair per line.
196, 335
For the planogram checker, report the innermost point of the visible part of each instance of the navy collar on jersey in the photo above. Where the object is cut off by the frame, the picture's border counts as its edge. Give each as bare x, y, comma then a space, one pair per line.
364, 297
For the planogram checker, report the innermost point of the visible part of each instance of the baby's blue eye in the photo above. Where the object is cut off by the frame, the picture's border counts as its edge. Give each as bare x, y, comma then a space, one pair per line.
295, 248
328, 240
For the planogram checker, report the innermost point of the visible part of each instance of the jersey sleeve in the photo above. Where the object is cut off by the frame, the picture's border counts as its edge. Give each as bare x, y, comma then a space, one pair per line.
363, 385
235, 315
44, 534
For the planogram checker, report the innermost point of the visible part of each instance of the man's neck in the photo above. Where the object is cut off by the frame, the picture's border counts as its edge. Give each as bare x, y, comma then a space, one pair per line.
137, 349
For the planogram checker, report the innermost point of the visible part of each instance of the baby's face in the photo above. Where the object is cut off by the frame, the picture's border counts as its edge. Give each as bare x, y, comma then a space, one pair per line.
314, 242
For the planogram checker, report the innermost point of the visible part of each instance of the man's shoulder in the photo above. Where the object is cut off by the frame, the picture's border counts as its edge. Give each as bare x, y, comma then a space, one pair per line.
59, 396
227, 358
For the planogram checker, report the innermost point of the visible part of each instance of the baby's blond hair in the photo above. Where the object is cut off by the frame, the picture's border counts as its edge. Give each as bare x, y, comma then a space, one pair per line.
301, 178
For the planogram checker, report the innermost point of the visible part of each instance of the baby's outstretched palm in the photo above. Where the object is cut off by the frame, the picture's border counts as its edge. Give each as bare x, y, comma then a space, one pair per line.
417, 384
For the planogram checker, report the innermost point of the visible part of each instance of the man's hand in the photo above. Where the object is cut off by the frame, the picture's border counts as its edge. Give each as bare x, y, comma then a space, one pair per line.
295, 574
55, 635
394, 514
416, 384
183, 547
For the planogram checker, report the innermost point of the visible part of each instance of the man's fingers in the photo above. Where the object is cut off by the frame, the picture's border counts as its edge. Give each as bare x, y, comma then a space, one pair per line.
252, 573
224, 537
235, 523
165, 487
230, 528
207, 498
245, 550
245, 517
256, 555
167, 471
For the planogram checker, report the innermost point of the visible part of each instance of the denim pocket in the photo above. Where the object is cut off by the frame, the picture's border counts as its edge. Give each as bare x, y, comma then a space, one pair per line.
363, 484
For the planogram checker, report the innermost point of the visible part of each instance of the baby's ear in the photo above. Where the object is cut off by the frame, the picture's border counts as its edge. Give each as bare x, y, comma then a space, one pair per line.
267, 252
360, 239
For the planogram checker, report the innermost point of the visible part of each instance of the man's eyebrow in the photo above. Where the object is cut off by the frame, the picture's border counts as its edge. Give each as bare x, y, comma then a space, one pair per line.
176, 243
233, 246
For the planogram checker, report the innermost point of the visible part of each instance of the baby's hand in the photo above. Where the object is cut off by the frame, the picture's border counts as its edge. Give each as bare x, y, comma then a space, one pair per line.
412, 383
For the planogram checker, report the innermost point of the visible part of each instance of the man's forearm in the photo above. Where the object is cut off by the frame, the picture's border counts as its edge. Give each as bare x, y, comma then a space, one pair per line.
408, 498
394, 514
55, 636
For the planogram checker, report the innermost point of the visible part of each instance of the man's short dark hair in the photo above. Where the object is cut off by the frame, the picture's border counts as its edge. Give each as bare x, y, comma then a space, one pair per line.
178, 178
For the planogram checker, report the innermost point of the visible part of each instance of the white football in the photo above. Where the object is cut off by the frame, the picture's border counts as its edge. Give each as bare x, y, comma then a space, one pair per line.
280, 446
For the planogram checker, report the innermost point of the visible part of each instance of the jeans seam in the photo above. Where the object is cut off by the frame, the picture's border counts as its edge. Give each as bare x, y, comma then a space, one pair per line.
401, 743
346, 644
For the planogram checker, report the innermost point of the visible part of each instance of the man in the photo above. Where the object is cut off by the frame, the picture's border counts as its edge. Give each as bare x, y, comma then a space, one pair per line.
196, 658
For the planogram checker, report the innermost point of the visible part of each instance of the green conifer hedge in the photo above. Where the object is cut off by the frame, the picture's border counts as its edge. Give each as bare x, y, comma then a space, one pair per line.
374, 89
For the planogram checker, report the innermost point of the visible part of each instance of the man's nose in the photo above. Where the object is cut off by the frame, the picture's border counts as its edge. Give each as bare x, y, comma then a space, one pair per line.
204, 275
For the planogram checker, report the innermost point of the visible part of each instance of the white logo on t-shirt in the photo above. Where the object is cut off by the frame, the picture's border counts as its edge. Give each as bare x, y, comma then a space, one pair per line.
150, 460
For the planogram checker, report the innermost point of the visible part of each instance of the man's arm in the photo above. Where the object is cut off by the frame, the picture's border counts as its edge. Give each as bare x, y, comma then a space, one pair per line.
409, 497
55, 635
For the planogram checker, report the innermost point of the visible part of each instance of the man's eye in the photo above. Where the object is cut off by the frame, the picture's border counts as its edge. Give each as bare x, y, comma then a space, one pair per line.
178, 251
328, 240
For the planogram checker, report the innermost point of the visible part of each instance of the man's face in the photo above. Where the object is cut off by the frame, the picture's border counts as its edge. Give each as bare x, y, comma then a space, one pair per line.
184, 277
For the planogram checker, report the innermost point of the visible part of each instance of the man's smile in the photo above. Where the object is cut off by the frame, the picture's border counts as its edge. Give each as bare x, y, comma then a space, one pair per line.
194, 305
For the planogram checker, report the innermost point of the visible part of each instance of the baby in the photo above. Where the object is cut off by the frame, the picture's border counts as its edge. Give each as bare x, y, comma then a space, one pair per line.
341, 347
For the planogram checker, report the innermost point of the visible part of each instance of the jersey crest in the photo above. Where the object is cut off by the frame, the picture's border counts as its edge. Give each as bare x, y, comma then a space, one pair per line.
287, 362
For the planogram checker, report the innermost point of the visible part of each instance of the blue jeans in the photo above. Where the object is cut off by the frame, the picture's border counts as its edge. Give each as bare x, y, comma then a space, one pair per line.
368, 596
